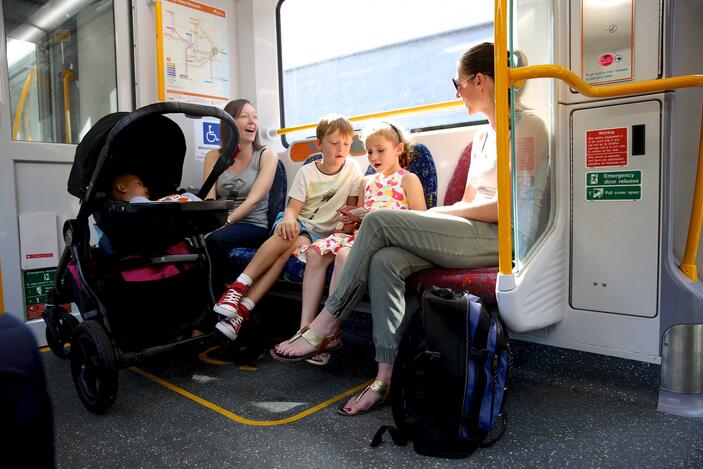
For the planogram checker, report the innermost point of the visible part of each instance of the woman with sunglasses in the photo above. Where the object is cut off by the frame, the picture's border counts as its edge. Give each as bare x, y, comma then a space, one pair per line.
393, 244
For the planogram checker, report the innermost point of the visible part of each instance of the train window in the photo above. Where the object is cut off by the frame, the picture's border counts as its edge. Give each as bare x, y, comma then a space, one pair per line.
368, 56
61, 64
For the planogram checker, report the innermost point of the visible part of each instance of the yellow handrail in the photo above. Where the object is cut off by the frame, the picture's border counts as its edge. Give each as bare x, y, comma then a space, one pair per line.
566, 75
68, 75
20, 103
688, 265
159, 51
383, 114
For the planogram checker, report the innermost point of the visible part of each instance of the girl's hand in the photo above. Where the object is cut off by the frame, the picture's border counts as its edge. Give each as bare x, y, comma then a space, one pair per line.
287, 230
349, 228
347, 219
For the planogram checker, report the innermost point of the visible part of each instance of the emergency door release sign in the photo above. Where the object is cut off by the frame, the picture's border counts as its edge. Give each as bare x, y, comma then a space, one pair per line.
606, 147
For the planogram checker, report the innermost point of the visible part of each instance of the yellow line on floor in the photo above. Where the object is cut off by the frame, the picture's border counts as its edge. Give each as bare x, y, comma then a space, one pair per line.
205, 358
232, 416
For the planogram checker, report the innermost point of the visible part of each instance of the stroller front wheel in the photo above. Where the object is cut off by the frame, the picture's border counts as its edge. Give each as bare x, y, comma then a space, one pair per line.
59, 330
93, 367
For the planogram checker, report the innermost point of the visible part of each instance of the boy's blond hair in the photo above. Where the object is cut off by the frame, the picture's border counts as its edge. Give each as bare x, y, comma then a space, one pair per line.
331, 123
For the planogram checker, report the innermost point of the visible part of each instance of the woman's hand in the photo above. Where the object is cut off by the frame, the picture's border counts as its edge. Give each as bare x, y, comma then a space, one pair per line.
287, 230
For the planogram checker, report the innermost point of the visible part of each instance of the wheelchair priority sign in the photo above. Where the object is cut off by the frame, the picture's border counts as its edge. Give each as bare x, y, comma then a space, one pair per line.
211, 133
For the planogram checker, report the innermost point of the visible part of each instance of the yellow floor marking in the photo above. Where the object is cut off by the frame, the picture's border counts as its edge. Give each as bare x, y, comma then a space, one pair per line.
232, 416
205, 358
44, 349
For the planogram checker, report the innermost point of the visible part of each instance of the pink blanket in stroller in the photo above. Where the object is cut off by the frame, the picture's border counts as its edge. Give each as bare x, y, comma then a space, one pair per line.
145, 274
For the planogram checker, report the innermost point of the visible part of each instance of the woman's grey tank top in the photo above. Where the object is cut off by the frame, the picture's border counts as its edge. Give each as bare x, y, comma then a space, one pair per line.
236, 186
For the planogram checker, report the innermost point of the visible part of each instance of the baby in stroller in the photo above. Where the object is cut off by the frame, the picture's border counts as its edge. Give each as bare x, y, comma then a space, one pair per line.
128, 187
152, 289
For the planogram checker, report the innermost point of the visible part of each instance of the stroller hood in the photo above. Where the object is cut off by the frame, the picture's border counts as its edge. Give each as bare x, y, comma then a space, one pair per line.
152, 147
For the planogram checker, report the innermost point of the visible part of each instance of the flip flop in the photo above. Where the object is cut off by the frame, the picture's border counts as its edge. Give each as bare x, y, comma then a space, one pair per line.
321, 344
380, 388
319, 359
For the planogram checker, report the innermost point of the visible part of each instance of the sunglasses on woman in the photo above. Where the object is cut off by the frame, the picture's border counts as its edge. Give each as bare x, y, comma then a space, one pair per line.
457, 84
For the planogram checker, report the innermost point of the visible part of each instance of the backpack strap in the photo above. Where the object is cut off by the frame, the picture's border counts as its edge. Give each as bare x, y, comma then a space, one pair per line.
503, 425
399, 437
401, 431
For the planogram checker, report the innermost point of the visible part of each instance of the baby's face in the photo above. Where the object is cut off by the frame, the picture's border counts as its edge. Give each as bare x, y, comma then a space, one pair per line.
134, 187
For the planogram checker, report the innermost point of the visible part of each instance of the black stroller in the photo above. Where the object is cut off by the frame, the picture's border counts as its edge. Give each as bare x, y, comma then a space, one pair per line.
160, 244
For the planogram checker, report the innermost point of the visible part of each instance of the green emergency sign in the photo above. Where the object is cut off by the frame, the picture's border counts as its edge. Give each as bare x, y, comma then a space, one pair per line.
614, 193
614, 185
37, 284
614, 178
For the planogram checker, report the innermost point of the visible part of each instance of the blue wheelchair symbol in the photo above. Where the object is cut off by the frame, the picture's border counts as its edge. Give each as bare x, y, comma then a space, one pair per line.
211, 133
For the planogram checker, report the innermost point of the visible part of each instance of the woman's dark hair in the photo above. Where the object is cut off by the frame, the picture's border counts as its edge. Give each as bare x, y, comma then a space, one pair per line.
478, 59
234, 109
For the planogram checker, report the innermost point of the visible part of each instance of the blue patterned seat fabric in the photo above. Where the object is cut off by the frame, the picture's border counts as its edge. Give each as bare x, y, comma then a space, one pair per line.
422, 164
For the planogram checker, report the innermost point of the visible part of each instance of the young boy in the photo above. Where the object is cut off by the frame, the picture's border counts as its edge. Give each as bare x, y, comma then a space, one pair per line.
318, 191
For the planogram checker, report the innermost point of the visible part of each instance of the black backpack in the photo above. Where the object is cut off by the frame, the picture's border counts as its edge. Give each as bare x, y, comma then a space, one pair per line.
449, 382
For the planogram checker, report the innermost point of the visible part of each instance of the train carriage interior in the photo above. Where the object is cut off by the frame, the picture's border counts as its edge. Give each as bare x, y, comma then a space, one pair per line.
599, 137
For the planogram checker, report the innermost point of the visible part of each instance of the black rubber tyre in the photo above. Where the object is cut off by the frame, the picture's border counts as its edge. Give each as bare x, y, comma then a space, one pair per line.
93, 367
60, 332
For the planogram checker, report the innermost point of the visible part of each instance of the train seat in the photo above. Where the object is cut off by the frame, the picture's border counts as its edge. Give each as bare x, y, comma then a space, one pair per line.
422, 164
479, 281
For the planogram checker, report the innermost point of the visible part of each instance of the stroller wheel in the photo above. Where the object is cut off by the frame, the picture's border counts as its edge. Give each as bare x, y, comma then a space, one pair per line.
59, 331
93, 367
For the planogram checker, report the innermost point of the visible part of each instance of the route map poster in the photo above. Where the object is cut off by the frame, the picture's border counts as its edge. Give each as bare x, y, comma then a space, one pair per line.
196, 56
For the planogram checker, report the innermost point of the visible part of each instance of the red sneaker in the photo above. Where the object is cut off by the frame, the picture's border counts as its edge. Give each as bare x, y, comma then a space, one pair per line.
228, 305
230, 326
243, 311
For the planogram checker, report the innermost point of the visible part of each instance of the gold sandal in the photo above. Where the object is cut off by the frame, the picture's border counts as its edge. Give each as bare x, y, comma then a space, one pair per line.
380, 388
321, 344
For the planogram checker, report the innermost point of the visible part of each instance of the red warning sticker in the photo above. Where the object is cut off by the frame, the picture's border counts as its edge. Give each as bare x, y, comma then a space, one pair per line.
606, 147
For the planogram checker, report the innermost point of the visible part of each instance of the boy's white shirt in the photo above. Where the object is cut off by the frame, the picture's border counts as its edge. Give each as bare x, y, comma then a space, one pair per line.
322, 195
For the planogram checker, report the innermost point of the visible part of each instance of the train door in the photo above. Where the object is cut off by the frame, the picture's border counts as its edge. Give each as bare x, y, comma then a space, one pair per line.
602, 274
63, 65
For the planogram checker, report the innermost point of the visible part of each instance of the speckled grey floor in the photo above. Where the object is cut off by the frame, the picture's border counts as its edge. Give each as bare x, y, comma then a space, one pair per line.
566, 409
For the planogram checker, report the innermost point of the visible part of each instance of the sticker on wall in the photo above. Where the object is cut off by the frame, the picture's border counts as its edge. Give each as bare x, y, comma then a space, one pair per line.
206, 133
37, 284
525, 150
614, 185
39, 246
195, 57
606, 147
607, 41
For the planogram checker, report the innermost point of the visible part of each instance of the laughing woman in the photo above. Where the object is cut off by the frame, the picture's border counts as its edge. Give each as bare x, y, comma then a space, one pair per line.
247, 182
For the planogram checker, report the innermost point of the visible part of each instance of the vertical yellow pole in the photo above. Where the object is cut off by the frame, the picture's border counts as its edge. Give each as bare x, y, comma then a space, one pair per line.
505, 250
20, 104
688, 265
68, 75
159, 51
2, 298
